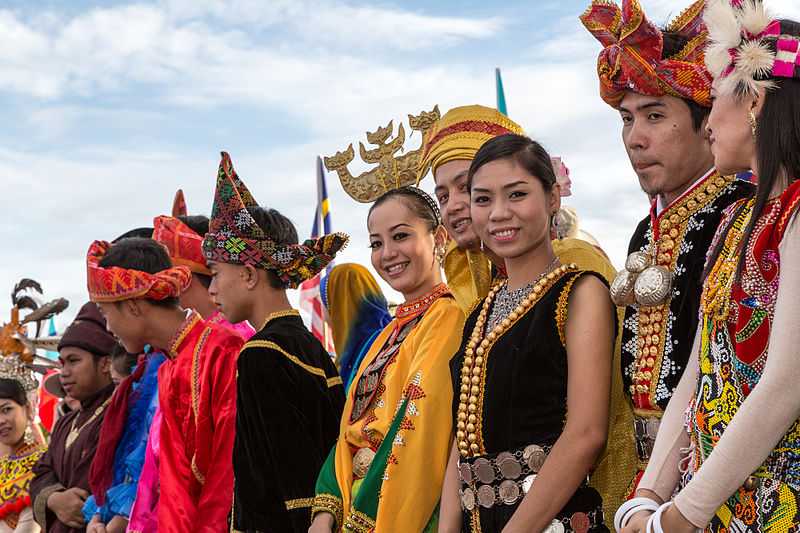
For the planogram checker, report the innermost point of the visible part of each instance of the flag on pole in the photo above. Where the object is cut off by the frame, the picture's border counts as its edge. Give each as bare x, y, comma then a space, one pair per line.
310, 299
501, 96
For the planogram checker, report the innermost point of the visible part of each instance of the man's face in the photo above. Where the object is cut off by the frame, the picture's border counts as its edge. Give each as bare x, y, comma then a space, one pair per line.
665, 150
125, 321
229, 290
82, 374
453, 197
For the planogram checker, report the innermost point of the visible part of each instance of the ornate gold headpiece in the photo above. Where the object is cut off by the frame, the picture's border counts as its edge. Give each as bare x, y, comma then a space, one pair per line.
392, 171
18, 356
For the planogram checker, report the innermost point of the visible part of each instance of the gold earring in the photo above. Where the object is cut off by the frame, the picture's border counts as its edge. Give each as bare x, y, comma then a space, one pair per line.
753, 122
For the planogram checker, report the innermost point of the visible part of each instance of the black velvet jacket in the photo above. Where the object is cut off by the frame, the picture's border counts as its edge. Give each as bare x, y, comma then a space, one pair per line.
289, 404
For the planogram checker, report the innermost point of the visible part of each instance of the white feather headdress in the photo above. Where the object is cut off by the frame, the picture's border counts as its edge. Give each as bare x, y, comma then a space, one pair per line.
739, 55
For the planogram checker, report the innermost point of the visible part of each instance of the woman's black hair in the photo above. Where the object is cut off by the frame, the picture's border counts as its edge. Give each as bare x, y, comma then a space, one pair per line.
123, 362
777, 149
142, 254
418, 201
280, 229
11, 389
523, 150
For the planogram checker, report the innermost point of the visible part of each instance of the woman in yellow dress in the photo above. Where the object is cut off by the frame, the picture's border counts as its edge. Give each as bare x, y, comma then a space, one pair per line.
387, 469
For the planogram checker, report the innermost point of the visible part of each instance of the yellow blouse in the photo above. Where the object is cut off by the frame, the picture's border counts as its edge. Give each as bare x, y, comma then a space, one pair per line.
420, 373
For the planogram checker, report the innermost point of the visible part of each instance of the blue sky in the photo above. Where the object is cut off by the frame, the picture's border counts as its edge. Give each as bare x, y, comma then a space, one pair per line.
109, 107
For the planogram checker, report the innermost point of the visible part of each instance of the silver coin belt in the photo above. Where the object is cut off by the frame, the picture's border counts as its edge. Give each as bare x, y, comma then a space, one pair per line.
500, 480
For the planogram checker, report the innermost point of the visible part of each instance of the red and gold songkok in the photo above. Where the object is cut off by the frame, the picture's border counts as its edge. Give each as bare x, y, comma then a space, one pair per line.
114, 284
235, 237
631, 59
184, 245
460, 133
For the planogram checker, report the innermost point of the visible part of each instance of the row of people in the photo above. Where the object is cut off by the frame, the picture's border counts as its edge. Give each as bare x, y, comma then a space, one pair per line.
505, 399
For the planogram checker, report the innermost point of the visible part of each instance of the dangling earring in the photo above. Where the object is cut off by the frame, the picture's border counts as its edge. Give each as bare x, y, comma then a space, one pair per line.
753, 122
439, 253
28, 435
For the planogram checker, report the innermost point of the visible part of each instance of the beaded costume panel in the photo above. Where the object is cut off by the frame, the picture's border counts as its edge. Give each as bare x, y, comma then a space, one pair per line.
16, 473
736, 323
656, 341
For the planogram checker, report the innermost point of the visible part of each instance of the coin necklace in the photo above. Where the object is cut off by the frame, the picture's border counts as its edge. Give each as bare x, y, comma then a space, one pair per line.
472, 366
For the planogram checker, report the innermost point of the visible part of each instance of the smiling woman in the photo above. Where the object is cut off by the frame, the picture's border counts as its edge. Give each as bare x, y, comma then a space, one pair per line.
539, 346
398, 453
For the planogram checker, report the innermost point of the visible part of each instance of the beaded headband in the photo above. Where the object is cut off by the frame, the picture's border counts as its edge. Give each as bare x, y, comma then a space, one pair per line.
391, 171
748, 48
425, 197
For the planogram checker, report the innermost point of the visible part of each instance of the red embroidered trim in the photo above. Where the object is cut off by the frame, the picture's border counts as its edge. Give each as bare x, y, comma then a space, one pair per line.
475, 126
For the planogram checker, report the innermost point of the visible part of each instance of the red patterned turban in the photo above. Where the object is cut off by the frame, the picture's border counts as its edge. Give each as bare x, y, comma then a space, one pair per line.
114, 284
631, 58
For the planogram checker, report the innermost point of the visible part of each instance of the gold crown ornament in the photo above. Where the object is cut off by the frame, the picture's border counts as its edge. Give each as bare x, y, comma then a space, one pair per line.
392, 171
18, 356
641, 282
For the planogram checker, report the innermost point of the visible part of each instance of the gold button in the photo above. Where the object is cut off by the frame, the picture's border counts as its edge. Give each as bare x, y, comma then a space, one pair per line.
673, 233
651, 361
674, 219
692, 205
683, 212
656, 327
653, 351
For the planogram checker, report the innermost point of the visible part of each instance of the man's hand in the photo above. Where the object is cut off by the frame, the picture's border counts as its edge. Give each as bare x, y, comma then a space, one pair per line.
68, 506
95, 525
118, 524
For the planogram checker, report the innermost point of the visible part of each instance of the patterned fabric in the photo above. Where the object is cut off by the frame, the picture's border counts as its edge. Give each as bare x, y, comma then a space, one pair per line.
16, 472
115, 284
185, 247
235, 237
632, 55
748, 48
736, 326
460, 133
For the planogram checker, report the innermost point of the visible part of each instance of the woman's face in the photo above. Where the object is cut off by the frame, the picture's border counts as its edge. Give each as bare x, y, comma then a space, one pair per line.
403, 248
13, 422
510, 209
730, 133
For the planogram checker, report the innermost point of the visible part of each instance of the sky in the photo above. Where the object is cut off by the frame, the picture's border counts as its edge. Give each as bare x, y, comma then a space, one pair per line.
109, 107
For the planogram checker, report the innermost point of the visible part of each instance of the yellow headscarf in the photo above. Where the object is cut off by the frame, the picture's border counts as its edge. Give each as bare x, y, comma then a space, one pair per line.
460, 133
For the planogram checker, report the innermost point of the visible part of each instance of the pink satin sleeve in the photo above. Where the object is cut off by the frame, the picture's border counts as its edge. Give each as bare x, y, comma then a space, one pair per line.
144, 514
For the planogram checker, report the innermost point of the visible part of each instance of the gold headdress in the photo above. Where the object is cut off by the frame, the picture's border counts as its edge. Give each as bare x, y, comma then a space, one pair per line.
18, 356
392, 171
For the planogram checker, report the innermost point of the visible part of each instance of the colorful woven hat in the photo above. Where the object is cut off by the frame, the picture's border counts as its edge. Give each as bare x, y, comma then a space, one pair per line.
748, 48
460, 133
114, 284
235, 237
185, 247
633, 46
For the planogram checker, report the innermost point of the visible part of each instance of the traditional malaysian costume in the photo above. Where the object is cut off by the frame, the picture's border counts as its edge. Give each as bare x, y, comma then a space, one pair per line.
289, 396
357, 312
458, 135
386, 471
511, 410
73, 443
196, 390
661, 283
738, 443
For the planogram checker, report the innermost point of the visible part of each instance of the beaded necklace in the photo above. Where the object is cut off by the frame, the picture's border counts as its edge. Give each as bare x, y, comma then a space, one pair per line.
472, 368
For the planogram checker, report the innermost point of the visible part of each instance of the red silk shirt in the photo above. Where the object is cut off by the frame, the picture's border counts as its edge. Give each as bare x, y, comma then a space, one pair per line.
197, 396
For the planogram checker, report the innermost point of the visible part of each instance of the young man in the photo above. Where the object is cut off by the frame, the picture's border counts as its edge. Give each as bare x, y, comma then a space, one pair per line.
61, 482
449, 149
658, 83
289, 396
137, 290
183, 238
